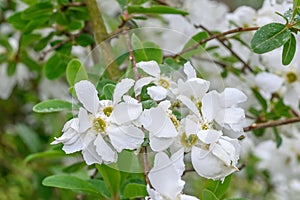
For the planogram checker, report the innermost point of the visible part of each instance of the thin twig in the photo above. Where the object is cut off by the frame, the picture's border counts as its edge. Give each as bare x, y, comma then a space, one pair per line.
272, 123
131, 56
214, 36
228, 48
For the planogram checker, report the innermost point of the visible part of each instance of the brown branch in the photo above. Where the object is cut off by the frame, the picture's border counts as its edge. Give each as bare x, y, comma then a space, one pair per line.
214, 36
228, 48
272, 124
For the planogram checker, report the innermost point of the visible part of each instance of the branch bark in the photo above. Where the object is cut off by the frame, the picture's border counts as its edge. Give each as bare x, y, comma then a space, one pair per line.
272, 124
100, 34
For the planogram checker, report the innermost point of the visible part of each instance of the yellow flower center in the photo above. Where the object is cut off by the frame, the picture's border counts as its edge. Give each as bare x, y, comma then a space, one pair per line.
108, 110
205, 126
164, 83
291, 77
174, 120
99, 125
188, 141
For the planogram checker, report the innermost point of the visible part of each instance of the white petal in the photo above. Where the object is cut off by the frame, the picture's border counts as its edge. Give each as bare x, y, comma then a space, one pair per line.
189, 104
189, 70
190, 126
90, 155
210, 105
158, 144
209, 166
232, 96
153, 194
150, 67
125, 137
139, 84
291, 98
104, 150
164, 178
74, 147
177, 161
84, 121
156, 121
209, 136
193, 88
187, 197
165, 105
157, 93
268, 82
121, 88
230, 116
87, 95
125, 112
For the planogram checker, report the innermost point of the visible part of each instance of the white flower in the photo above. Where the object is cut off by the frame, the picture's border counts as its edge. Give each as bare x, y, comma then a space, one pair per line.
163, 85
213, 156
104, 127
193, 88
165, 177
161, 124
268, 83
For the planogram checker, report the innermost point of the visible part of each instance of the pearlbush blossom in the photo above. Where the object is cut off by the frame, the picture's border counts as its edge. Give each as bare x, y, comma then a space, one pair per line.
104, 128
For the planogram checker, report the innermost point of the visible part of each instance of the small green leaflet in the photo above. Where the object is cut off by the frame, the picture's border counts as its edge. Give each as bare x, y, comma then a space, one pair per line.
75, 72
53, 105
155, 10
289, 49
70, 182
270, 37
134, 190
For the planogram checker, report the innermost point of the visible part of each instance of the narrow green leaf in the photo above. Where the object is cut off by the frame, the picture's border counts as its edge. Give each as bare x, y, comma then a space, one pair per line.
45, 154
29, 137
270, 37
278, 138
134, 190
53, 105
84, 40
260, 99
111, 177
43, 42
289, 49
11, 67
17, 21
75, 72
38, 11
208, 195
155, 10
71, 183
101, 187
108, 90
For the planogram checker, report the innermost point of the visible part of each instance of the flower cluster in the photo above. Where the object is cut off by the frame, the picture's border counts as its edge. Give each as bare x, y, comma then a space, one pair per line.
186, 120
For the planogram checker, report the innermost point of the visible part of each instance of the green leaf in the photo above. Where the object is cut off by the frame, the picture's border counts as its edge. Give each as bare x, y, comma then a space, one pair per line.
217, 187
122, 4
29, 137
237, 199
108, 90
137, 46
11, 67
53, 105
208, 195
260, 99
45, 154
75, 25
194, 40
134, 190
155, 10
29, 62
55, 66
111, 177
84, 40
153, 52
43, 42
101, 187
17, 21
270, 37
71, 183
74, 167
147, 104
75, 72
289, 49
278, 137
38, 11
